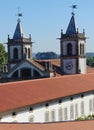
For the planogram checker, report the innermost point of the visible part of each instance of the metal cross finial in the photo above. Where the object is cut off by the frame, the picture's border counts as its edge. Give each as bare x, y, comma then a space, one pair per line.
73, 7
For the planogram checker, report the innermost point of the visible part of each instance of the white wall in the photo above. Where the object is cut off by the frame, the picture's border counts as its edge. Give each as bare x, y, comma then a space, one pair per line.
82, 65
39, 110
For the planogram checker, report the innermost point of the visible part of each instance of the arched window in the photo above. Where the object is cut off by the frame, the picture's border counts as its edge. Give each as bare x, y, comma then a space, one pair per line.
28, 52
53, 115
65, 114
47, 116
76, 111
90, 106
82, 108
81, 49
69, 49
15, 53
60, 114
71, 112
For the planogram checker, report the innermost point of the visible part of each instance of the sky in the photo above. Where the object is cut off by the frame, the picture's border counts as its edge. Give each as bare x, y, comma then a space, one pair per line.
44, 19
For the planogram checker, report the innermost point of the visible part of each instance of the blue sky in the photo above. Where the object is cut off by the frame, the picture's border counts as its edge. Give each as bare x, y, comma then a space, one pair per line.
44, 19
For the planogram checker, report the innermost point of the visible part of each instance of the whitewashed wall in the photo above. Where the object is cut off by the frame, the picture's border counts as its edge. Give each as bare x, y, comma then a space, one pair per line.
82, 65
39, 110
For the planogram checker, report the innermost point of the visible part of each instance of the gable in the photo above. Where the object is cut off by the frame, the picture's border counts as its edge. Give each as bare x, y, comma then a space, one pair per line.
26, 65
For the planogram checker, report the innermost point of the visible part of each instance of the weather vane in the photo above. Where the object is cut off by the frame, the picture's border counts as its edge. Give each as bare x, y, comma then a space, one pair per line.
73, 7
19, 13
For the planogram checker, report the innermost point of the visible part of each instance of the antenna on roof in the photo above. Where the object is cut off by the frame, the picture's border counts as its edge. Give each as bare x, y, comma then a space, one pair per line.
73, 7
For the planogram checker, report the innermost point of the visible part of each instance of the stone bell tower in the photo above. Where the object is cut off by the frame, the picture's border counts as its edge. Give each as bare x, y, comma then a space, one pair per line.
19, 47
72, 49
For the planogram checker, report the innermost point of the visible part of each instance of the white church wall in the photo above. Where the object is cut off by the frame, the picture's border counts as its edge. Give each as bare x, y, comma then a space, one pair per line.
71, 107
82, 65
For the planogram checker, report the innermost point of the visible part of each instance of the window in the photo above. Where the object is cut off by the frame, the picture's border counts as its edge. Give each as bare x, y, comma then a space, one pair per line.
82, 108
69, 49
60, 101
81, 49
76, 111
90, 106
46, 104
30, 109
60, 113
82, 95
71, 112
28, 52
31, 119
47, 116
53, 115
65, 114
71, 98
25, 50
14, 114
25, 53
15, 53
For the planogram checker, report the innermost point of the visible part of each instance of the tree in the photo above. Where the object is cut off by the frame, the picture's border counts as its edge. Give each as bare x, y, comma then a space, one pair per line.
3, 56
90, 61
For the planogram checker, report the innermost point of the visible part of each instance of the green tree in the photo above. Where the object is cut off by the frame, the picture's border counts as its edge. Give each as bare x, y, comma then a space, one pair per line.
90, 61
3, 55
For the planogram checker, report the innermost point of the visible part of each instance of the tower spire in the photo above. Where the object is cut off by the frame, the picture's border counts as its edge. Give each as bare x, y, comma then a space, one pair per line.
18, 34
72, 29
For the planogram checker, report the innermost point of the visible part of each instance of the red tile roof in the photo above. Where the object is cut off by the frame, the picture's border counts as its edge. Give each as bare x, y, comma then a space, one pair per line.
56, 63
77, 125
24, 93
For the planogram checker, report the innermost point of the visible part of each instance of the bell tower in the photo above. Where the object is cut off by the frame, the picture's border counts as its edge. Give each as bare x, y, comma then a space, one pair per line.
72, 49
19, 47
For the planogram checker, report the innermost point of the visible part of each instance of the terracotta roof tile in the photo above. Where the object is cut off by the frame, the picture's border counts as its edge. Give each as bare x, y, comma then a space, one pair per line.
56, 63
20, 94
77, 125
